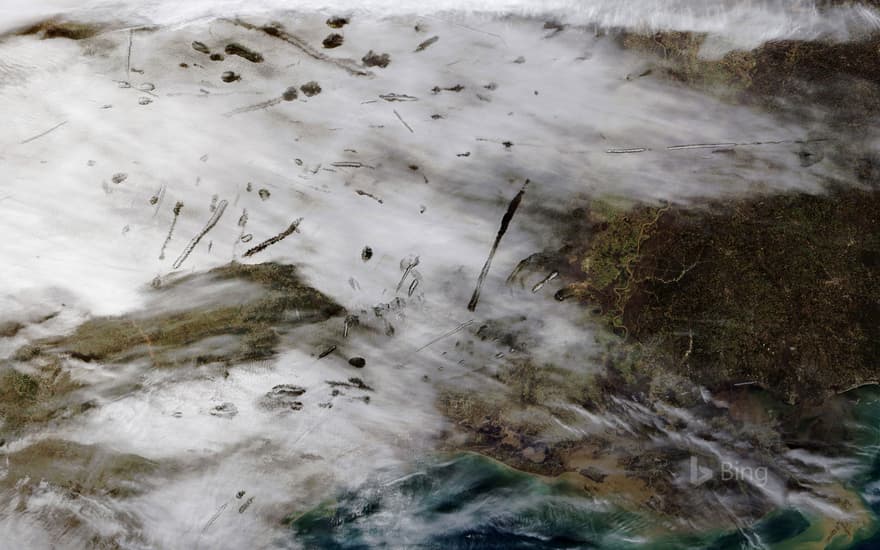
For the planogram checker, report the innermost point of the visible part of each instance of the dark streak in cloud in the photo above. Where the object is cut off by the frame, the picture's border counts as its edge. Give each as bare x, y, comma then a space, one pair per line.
195, 240
269, 242
505, 222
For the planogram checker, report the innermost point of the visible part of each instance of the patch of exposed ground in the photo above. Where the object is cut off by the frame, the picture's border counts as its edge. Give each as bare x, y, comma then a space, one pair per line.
80, 469
41, 391
53, 28
843, 76
228, 315
79, 479
779, 291
253, 323
771, 302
